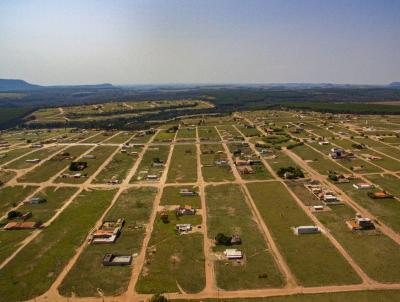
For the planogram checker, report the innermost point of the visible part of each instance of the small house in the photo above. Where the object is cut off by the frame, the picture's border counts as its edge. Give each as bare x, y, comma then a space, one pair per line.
152, 177
21, 225
183, 227
337, 153
108, 232
318, 208
380, 195
187, 192
363, 185
186, 210
32, 161
35, 200
246, 170
116, 260
307, 229
329, 197
233, 254
360, 223
78, 166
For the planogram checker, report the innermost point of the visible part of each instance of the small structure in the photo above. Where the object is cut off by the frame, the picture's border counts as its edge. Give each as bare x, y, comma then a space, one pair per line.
157, 165
245, 170
323, 143
116, 260
363, 185
241, 162
22, 225
37, 145
318, 208
89, 156
307, 229
186, 210
152, 177
78, 166
380, 195
183, 227
32, 161
187, 192
221, 162
337, 153
329, 197
371, 157
108, 232
233, 254
360, 223
35, 200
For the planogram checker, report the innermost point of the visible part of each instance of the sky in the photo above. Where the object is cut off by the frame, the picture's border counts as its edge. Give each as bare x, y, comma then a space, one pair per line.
200, 41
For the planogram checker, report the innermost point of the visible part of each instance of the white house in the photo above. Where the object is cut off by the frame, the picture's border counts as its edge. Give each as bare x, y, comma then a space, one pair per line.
363, 185
233, 254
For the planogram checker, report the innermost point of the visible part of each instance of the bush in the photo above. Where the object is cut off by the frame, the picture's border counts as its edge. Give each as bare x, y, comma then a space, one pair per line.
295, 171
333, 177
291, 146
158, 298
221, 239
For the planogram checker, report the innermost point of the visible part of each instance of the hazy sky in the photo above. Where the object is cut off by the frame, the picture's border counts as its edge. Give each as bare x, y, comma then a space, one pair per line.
200, 41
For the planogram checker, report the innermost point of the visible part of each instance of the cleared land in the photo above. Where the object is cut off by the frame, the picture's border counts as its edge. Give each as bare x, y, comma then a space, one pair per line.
173, 261
35, 268
302, 252
257, 269
88, 274
183, 167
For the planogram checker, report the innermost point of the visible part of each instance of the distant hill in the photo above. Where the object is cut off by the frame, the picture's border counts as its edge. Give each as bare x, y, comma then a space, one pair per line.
21, 85
17, 85
395, 84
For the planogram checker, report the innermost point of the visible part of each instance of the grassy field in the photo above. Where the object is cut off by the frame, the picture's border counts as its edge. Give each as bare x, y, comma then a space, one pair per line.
12, 154
186, 134
12, 196
235, 217
302, 253
119, 166
228, 131
173, 259
42, 212
101, 153
88, 274
280, 161
376, 254
183, 167
317, 161
387, 182
52, 166
6, 175
208, 134
261, 172
55, 197
211, 171
36, 267
39, 154
99, 137
364, 296
164, 136
249, 132
171, 196
120, 138
145, 167
385, 210
140, 139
